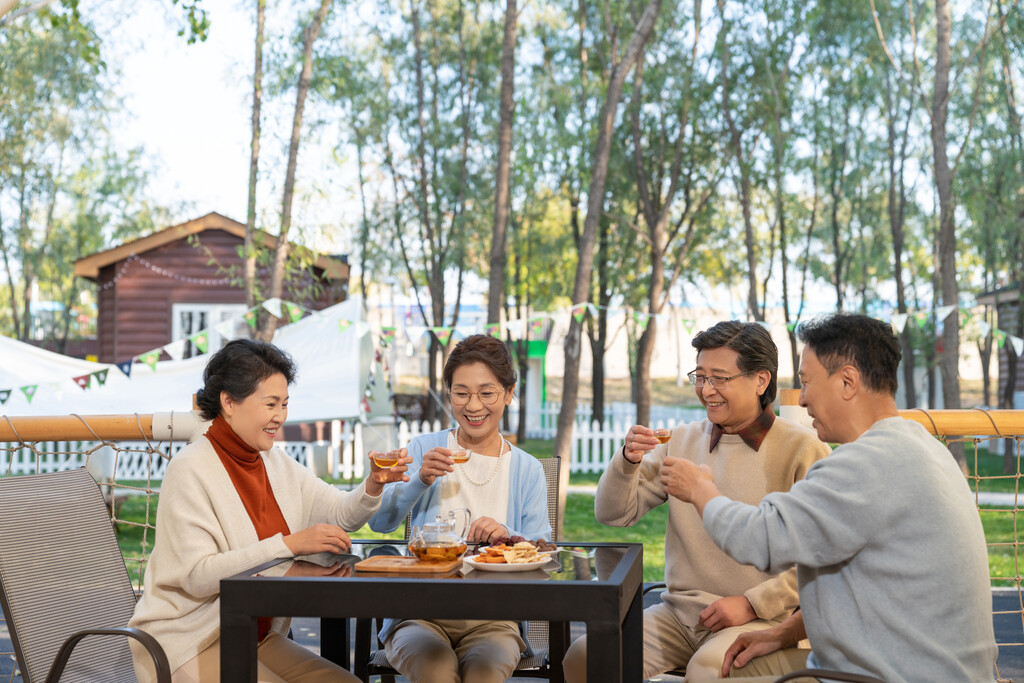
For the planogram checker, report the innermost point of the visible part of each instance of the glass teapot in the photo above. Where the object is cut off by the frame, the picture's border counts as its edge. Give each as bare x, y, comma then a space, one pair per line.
437, 541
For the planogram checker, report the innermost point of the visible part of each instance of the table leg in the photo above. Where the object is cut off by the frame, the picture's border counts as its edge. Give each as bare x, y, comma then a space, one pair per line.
633, 639
335, 641
237, 648
604, 653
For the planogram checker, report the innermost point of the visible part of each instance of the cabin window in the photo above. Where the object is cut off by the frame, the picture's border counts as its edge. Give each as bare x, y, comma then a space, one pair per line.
215, 319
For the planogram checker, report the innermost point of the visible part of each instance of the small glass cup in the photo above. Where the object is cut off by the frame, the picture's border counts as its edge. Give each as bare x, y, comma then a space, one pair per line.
663, 435
385, 459
461, 455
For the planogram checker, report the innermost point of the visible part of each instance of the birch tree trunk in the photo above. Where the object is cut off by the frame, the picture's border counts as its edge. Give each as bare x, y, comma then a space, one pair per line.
496, 289
249, 277
595, 205
309, 36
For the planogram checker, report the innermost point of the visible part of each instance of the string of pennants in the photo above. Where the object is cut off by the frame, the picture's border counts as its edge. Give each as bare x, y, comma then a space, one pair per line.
516, 329
176, 349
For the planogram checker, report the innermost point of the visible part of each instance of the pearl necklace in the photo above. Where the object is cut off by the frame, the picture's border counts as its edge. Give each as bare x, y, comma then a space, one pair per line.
497, 467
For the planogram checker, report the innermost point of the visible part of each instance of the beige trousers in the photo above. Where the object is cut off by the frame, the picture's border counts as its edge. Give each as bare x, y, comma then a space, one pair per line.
671, 645
279, 661
455, 650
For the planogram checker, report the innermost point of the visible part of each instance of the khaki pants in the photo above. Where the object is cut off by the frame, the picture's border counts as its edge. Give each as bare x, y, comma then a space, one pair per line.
280, 661
671, 645
455, 650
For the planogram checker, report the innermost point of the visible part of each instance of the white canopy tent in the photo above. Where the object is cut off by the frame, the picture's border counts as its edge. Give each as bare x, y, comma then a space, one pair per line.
332, 369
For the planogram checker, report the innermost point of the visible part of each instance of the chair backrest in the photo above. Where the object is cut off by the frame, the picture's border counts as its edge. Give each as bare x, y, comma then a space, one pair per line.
61, 571
550, 466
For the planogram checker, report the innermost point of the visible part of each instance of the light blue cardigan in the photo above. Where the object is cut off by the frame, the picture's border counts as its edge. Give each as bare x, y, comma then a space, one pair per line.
527, 499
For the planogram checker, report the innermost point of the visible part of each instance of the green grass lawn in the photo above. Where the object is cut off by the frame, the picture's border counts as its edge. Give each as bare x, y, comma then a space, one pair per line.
580, 525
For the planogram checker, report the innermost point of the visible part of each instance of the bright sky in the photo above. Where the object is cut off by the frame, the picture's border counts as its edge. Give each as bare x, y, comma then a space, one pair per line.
188, 105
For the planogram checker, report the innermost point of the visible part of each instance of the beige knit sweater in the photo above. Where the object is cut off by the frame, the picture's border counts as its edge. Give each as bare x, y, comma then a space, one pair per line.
696, 571
204, 534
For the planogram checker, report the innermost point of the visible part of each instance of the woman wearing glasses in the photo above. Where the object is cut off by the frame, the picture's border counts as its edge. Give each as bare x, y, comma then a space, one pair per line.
501, 485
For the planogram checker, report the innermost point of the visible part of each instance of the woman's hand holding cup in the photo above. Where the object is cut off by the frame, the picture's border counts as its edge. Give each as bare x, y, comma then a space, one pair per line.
437, 462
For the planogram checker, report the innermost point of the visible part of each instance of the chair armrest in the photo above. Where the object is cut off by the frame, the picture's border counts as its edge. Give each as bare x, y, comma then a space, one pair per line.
163, 668
654, 586
829, 674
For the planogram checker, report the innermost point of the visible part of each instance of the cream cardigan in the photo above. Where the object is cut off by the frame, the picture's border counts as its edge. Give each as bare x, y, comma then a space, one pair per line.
204, 534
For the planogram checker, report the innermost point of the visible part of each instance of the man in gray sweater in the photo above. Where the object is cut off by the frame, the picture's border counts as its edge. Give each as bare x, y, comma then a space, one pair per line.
888, 545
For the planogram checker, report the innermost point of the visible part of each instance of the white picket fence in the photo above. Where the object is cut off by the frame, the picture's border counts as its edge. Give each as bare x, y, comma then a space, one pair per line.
542, 422
344, 455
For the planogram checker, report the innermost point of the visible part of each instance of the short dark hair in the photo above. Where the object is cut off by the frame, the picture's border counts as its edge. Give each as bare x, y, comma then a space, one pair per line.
867, 344
754, 345
238, 368
481, 348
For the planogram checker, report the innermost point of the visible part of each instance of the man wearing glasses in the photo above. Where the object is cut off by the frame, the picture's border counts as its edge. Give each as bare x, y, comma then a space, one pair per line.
885, 534
711, 598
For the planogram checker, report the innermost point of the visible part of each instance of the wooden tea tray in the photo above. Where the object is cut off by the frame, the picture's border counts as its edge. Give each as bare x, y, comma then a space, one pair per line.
397, 564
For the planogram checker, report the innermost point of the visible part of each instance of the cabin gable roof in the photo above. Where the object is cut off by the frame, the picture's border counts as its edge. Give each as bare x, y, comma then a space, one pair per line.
90, 266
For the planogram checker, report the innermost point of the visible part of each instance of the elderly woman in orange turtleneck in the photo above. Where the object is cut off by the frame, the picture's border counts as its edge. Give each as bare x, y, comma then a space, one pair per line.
230, 501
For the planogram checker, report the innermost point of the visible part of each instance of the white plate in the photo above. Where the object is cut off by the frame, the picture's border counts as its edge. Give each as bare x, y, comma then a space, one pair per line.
504, 566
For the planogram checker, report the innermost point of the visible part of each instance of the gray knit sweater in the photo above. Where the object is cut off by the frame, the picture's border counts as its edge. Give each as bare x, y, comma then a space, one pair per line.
890, 557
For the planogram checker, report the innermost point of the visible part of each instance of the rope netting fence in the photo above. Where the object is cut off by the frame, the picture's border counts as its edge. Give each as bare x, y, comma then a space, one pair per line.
127, 455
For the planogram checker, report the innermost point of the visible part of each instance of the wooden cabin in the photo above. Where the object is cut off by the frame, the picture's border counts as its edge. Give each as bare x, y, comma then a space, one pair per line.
171, 284
1007, 301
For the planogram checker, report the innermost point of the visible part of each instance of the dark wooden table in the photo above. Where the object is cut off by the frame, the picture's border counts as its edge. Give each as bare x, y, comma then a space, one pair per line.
596, 583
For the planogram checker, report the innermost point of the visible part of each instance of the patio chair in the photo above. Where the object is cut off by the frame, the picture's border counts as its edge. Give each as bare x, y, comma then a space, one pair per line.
548, 645
63, 582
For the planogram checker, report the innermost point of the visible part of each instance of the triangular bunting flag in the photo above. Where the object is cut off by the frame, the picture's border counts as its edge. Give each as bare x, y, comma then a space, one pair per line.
225, 328
4, 395
791, 325
494, 330
593, 310
899, 322
984, 328
29, 391
942, 312
1018, 345
125, 367
273, 306
922, 318
514, 329
175, 349
294, 311
689, 325
201, 340
415, 333
443, 334
578, 311
150, 359
387, 335
344, 325
537, 324
1000, 338
84, 381
250, 317
101, 376
641, 319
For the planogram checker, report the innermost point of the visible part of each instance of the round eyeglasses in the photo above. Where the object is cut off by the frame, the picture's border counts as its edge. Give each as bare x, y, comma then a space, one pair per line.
716, 381
488, 396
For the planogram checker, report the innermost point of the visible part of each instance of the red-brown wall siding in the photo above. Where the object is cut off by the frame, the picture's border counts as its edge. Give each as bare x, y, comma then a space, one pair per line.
135, 313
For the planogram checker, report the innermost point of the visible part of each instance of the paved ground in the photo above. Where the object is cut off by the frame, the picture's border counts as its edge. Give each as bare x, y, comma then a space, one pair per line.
1009, 631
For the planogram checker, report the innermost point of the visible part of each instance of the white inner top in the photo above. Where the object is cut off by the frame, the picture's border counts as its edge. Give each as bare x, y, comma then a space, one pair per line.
458, 489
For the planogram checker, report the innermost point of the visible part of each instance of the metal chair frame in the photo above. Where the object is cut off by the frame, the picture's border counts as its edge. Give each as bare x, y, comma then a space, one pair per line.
63, 582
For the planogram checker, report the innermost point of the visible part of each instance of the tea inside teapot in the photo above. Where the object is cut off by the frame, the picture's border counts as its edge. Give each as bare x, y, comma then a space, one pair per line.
437, 540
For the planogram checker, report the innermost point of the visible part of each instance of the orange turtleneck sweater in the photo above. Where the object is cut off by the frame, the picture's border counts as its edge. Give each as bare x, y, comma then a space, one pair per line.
249, 475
